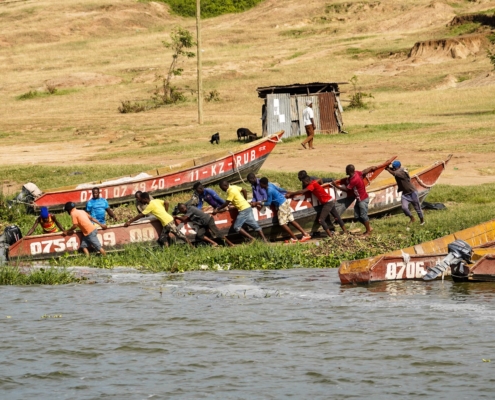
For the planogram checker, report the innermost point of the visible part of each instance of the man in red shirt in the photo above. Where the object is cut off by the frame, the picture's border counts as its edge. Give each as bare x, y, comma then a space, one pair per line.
356, 190
328, 205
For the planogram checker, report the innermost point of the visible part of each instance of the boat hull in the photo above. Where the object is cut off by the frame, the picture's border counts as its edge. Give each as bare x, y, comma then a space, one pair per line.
304, 207
232, 167
383, 195
481, 271
481, 237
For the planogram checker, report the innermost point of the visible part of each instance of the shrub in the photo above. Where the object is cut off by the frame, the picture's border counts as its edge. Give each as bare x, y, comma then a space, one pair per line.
210, 8
213, 95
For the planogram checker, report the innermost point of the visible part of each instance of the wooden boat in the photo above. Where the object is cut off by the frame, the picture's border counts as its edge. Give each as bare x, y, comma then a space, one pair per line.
383, 194
397, 265
304, 207
233, 166
483, 270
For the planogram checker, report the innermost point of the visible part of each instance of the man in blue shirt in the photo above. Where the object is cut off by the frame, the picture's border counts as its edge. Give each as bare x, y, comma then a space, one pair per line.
259, 194
284, 213
97, 207
205, 194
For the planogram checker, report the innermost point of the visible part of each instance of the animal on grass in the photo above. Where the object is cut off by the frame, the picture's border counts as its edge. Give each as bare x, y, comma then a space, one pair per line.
215, 138
252, 137
246, 134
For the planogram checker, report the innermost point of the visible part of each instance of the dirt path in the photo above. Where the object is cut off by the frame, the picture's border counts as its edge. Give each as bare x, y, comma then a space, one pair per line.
462, 170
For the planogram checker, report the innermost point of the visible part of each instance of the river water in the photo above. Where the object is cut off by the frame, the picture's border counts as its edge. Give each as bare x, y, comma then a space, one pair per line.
246, 335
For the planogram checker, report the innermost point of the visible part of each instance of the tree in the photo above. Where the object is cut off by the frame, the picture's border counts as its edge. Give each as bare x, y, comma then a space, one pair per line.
181, 40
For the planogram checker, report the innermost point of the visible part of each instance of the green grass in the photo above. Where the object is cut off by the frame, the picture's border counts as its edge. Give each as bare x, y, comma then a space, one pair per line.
296, 54
209, 8
464, 29
33, 94
46, 177
466, 206
12, 275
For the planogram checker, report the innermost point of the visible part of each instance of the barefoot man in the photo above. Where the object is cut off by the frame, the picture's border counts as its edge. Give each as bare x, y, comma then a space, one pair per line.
356, 190
82, 220
284, 213
237, 196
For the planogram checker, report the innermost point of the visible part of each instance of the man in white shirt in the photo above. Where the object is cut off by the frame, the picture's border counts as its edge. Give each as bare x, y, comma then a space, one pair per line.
309, 124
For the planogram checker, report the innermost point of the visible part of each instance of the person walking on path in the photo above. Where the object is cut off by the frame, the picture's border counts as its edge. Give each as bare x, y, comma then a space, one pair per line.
237, 196
203, 222
409, 192
309, 124
159, 208
48, 222
356, 190
328, 205
284, 213
82, 220
97, 207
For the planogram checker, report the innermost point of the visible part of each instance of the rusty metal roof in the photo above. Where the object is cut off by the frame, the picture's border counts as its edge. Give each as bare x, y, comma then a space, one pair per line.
301, 88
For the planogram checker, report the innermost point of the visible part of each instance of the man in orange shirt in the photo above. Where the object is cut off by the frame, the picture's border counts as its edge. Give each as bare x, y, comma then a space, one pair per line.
82, 220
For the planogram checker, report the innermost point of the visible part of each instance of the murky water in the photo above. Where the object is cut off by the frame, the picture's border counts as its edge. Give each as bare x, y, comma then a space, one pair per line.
247, 335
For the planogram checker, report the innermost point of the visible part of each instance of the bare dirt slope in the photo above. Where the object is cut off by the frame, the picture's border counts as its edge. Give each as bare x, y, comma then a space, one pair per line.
431, 82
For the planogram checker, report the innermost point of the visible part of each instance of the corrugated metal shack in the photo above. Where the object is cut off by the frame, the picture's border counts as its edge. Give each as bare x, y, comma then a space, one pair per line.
284, 106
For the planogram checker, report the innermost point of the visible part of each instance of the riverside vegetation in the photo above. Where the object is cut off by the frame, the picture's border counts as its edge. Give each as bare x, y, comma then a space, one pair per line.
466, 206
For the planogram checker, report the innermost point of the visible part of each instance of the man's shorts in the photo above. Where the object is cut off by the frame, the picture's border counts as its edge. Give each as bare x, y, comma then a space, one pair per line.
170, 228
284, 213
91, 240
361, 210
246, 217
201, 230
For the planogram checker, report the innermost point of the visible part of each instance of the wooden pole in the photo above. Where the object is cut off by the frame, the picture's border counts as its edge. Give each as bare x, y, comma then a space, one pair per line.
200, 79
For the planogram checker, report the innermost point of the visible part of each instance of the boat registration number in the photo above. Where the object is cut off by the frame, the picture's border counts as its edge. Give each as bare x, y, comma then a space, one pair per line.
67, 243
402, 270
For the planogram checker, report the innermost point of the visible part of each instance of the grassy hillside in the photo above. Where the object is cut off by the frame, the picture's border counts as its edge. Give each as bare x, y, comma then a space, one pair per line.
98, 54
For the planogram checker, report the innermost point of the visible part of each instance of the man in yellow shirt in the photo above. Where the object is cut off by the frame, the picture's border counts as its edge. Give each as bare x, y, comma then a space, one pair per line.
159, 208
237, 196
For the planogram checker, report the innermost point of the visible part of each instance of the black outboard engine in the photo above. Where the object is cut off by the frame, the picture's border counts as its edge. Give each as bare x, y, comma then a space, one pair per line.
459, 252
10, 235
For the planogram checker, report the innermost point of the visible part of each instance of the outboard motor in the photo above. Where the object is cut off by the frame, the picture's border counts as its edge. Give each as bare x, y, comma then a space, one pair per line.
3, 250
459, 253
28, 194
10, 235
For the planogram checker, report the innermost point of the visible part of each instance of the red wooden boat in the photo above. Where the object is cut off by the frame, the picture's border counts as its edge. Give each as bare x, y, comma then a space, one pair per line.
383, 194
412, 262
174, 178
482, 270
305, 208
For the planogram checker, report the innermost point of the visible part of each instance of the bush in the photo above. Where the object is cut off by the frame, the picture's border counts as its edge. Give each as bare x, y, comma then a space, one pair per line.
210, 8
29, 95
213, 95
357, 101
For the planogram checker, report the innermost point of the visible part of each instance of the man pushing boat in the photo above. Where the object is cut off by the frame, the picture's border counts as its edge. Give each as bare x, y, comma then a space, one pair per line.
409, 192
237, 197
159, 208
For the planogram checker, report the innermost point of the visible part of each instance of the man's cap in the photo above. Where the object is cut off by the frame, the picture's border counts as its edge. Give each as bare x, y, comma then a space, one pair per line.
69, 206
396, 164
44, 212
309, 102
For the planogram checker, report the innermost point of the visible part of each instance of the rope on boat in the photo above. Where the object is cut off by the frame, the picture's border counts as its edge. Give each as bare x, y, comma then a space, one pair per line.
235, 167
423, 184
444, 164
